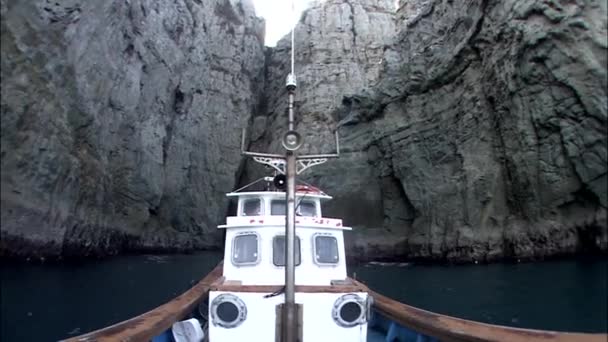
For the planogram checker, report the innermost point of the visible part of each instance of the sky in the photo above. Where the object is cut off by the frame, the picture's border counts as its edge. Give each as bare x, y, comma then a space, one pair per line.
279, 16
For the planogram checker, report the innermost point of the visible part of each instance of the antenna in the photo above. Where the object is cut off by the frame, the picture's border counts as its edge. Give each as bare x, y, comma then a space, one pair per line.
291, 78
293, 44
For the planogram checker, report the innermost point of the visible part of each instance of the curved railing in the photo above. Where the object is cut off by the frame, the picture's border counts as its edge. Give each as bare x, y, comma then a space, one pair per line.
446, 328
153, 323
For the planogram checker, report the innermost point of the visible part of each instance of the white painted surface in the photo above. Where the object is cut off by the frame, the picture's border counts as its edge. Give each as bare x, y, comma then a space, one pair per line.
266, 273
277, 194
188, 331
318, 324
268, 196
261, 319
264, 221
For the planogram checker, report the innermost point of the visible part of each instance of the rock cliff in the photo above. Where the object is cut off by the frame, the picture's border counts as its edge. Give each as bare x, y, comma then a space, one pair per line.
121, 122
471, 130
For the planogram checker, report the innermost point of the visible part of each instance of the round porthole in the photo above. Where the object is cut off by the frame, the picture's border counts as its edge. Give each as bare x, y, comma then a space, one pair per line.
349, 310
228, 311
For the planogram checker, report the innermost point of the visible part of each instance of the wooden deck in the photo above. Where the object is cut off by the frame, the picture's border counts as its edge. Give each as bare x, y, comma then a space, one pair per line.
227, 286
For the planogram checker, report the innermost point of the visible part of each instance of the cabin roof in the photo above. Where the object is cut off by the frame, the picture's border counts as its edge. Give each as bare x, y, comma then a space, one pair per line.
277, 193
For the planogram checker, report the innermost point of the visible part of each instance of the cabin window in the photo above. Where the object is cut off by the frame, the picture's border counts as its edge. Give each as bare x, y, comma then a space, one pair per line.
278, 250
306, 208
245, 249
277, 207
326, 249
252, 207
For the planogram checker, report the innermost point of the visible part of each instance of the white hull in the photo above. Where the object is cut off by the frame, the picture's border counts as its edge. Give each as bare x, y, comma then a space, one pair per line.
261, 321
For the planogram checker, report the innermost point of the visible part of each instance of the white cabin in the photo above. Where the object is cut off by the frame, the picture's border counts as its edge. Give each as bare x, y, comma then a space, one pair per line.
243, 306
255, 241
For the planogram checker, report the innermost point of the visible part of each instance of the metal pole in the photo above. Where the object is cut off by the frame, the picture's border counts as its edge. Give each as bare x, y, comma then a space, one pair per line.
291, 105
293, 39
293, 42
290, 327
290, 319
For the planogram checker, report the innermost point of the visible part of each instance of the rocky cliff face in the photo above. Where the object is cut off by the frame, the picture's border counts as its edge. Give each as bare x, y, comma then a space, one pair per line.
121, 121
471, 130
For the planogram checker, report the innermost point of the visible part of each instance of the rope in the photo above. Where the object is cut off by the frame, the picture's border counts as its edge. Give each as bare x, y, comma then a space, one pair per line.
248, 185
300, 201
276, 293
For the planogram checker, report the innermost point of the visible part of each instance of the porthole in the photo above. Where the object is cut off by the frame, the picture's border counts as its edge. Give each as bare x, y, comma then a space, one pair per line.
349, 310
228, 311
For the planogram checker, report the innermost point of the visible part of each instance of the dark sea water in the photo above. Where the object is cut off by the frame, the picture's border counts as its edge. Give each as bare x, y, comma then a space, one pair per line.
50, 302
560, 295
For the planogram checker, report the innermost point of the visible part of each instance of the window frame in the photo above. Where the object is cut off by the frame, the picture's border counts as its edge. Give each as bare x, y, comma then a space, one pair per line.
242, 206
278, 200
314, 249
258, 245
299, 250
308, 201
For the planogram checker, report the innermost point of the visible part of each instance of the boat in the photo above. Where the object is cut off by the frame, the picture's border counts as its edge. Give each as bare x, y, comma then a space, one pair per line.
284, 276
243, 298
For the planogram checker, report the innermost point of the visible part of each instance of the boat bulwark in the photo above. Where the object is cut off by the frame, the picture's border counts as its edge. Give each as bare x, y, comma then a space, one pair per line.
446, 328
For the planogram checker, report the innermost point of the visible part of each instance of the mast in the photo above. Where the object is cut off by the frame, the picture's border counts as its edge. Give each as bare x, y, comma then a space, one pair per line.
290, 165
291, 142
